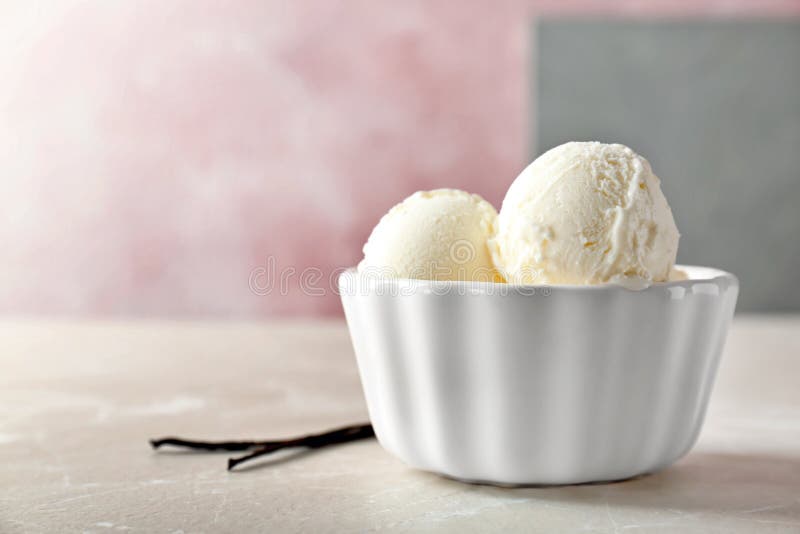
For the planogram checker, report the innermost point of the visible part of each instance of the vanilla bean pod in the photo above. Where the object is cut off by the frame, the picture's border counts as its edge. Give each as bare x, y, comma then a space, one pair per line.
206, 445
311, 441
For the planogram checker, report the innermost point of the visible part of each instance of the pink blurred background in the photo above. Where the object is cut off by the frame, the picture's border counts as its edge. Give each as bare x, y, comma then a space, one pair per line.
154, 155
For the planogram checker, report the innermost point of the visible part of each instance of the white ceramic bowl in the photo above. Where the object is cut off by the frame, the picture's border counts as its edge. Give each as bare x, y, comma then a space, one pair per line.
538, 384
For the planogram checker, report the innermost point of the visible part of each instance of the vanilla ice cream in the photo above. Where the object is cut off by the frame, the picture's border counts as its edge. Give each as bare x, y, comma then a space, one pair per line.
586, 213
434, 235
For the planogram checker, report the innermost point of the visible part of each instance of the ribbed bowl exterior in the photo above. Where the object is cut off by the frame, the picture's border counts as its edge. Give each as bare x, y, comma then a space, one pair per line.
538, 385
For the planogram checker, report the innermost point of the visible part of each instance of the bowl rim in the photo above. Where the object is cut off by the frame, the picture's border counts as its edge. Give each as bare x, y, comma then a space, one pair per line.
696, 274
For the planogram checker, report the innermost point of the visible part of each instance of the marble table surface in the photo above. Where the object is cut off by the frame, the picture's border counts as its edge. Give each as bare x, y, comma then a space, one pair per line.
79, 400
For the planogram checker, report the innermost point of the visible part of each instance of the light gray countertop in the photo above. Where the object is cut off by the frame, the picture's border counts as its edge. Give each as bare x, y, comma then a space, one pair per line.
79, 400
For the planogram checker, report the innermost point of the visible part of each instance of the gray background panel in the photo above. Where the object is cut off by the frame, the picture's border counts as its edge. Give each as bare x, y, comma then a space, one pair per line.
715, 107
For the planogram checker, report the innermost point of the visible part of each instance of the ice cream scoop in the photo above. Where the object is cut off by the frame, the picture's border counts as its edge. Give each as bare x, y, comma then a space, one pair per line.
433, 235
586, 213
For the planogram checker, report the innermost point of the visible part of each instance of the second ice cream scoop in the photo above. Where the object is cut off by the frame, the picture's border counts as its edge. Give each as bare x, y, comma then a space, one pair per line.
586, 213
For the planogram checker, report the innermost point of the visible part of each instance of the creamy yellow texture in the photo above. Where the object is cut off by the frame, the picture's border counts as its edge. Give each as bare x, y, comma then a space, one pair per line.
586, 213
434, 235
